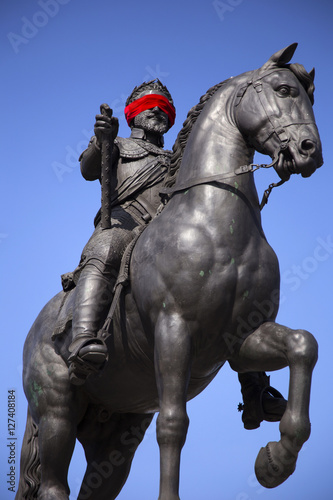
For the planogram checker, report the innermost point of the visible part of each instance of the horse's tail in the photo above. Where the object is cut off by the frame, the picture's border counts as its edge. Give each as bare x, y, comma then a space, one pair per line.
30, 464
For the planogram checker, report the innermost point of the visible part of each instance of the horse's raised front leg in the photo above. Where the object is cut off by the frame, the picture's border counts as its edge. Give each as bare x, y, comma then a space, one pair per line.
272, 347
172, 366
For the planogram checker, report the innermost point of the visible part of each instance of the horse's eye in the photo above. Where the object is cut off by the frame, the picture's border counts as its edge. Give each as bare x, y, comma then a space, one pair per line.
284, 90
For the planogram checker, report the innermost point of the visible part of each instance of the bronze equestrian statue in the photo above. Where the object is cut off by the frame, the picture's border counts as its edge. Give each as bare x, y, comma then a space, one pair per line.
198, 273
138, 166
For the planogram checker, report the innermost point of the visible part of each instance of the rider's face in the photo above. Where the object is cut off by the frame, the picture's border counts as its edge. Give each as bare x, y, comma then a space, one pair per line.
152, 120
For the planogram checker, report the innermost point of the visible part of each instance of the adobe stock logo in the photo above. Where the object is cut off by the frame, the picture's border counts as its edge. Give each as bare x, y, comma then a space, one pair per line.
297, 274
223, 8
31, 27
72, 156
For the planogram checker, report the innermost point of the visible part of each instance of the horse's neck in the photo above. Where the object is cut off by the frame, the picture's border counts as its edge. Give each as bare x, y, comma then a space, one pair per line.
215, 145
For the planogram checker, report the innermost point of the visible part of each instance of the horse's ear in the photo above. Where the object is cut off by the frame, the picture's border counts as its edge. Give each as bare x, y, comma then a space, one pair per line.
281, 57
312, 74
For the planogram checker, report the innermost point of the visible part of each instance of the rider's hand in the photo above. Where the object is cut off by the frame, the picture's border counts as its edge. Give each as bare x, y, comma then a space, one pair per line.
106, 127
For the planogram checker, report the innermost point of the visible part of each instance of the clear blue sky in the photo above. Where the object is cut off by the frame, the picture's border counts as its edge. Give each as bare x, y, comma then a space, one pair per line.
59, 61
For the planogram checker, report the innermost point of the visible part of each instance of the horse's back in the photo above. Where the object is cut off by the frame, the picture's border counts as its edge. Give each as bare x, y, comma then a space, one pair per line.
44, 324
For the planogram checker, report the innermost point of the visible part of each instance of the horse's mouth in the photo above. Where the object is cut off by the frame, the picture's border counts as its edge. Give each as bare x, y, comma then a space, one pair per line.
291, 161
286, 165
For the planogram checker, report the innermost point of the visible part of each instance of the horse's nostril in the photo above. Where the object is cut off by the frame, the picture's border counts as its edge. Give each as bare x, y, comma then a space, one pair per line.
307, 145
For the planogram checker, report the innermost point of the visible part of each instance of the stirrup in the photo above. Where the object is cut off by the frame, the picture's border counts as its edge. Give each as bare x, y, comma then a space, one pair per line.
94, 351
253, 409
88, 358
78, 373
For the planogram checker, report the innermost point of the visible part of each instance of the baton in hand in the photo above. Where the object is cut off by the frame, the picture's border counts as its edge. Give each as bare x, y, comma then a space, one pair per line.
107, 145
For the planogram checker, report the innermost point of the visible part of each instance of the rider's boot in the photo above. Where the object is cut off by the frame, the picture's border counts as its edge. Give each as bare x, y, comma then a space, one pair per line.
260, 400
93, 298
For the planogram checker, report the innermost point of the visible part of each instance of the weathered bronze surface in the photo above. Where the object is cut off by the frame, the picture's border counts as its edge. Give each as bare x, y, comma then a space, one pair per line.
203, 289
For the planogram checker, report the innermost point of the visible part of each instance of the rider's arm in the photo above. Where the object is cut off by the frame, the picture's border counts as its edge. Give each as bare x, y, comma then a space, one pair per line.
90, 159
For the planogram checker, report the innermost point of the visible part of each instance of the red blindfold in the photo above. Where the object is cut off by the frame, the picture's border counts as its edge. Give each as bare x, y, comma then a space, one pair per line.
149, 101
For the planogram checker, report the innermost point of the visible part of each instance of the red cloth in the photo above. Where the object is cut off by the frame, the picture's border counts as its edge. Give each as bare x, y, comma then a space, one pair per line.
149, 101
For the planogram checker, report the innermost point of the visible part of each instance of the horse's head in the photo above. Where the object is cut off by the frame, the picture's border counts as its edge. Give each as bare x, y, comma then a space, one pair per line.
274, 114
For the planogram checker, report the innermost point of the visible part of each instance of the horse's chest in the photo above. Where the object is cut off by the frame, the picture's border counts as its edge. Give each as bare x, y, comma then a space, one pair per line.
241, 285
257, 290
232, 304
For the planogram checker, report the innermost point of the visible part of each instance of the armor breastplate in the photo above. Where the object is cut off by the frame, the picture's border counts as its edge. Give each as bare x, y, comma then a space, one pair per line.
134, 154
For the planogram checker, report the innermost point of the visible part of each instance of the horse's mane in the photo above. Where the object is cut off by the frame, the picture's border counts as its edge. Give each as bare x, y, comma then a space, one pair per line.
299, 71
180, 143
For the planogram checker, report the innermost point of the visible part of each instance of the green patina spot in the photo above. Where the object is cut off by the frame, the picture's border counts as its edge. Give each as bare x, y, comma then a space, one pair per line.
35, 391
202, 273
38, 388
232, 261
164, 304
236, 186
246, 294
185, 192
210, 272
231, 229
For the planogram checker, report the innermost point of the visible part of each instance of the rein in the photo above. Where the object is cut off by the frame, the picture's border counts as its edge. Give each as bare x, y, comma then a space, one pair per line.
244, 169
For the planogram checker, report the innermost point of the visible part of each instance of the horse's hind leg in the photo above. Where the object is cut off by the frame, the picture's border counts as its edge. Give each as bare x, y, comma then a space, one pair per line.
272, 347
57, 437
29, 463
56, 409
109, 444
46, 452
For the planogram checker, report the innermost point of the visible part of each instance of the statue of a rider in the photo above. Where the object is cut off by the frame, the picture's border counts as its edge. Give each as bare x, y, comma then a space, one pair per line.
138, 167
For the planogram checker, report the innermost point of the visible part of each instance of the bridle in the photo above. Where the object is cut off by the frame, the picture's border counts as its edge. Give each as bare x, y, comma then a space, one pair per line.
276, 127
244, 169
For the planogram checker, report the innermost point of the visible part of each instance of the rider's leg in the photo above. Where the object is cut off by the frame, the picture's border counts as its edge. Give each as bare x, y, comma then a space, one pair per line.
94, 292
93, 299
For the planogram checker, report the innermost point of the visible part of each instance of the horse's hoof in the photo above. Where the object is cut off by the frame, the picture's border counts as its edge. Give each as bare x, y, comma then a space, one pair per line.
274, 465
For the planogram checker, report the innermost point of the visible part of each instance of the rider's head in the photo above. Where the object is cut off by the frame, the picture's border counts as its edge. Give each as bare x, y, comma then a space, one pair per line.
150, 107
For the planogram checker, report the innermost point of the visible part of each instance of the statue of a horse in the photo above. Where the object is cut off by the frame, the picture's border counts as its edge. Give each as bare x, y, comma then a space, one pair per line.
201, 275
